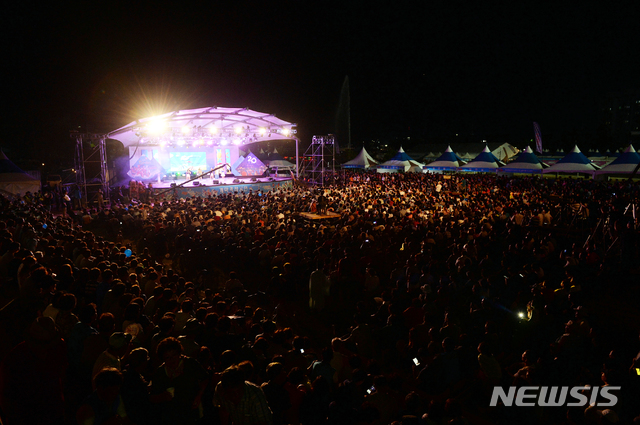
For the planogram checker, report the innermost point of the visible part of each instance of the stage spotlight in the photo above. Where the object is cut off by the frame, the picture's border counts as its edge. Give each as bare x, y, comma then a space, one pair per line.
201, 141
238, 130
286, 131
186, 129
210, 142
263, 131
163, 144
224, 142
180, 142
155, 126
237, 141
213, 130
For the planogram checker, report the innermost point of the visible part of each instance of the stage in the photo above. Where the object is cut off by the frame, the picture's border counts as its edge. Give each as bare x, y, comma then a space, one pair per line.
314, 216
214, 187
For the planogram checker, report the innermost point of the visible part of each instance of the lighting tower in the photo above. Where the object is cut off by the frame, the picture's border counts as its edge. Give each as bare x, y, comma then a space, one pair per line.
320, 159
91, 166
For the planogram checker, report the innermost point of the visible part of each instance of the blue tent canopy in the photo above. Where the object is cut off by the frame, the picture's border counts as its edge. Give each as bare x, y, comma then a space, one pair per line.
573, 162
484, 162
449, 160
626, 163
525, 162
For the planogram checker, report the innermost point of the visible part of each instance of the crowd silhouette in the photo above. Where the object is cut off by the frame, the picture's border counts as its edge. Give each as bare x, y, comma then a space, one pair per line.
423, 294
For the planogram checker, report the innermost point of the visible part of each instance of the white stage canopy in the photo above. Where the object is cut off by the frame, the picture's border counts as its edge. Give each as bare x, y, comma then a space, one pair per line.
213, 126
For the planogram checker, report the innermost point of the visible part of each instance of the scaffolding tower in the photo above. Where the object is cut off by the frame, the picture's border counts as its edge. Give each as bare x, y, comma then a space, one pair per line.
320, 159
91, 167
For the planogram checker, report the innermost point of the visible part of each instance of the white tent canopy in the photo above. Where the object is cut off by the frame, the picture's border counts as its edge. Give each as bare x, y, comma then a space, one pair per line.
276, 161
15, 181
505, 152
362, 160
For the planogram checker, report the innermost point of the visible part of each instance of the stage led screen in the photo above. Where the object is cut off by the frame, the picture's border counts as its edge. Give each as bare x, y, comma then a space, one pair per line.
182, 161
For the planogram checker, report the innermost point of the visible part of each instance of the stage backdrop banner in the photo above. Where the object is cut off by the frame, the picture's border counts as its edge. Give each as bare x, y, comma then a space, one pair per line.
251, 166
146, 166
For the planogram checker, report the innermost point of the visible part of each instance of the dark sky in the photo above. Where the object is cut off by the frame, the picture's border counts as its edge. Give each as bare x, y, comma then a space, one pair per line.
424, 69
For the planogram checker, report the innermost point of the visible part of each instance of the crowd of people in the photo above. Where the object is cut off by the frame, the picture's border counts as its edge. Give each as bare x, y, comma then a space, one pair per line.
423, 294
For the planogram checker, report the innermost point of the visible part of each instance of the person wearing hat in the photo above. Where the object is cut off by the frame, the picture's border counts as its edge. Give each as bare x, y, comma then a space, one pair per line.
117, 349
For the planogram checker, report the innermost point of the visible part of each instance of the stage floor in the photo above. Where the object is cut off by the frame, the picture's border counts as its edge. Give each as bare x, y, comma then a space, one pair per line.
313, 216
207, 187
219, 182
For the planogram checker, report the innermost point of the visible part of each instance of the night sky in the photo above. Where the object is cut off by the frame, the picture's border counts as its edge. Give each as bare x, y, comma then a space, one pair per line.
419, 69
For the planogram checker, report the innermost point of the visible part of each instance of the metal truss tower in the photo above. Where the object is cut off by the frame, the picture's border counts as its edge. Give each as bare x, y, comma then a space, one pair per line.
320, 160
91, 166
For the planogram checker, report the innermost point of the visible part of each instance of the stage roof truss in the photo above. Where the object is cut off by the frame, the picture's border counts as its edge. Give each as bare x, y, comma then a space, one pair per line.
168, 129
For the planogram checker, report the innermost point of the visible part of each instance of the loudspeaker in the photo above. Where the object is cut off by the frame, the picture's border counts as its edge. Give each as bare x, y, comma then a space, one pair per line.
215, 181
229, 175
196, 183
271, 179
253, 179
236, 181
172, 185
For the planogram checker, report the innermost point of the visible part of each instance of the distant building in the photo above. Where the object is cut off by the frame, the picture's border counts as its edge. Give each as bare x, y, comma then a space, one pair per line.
621, 118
